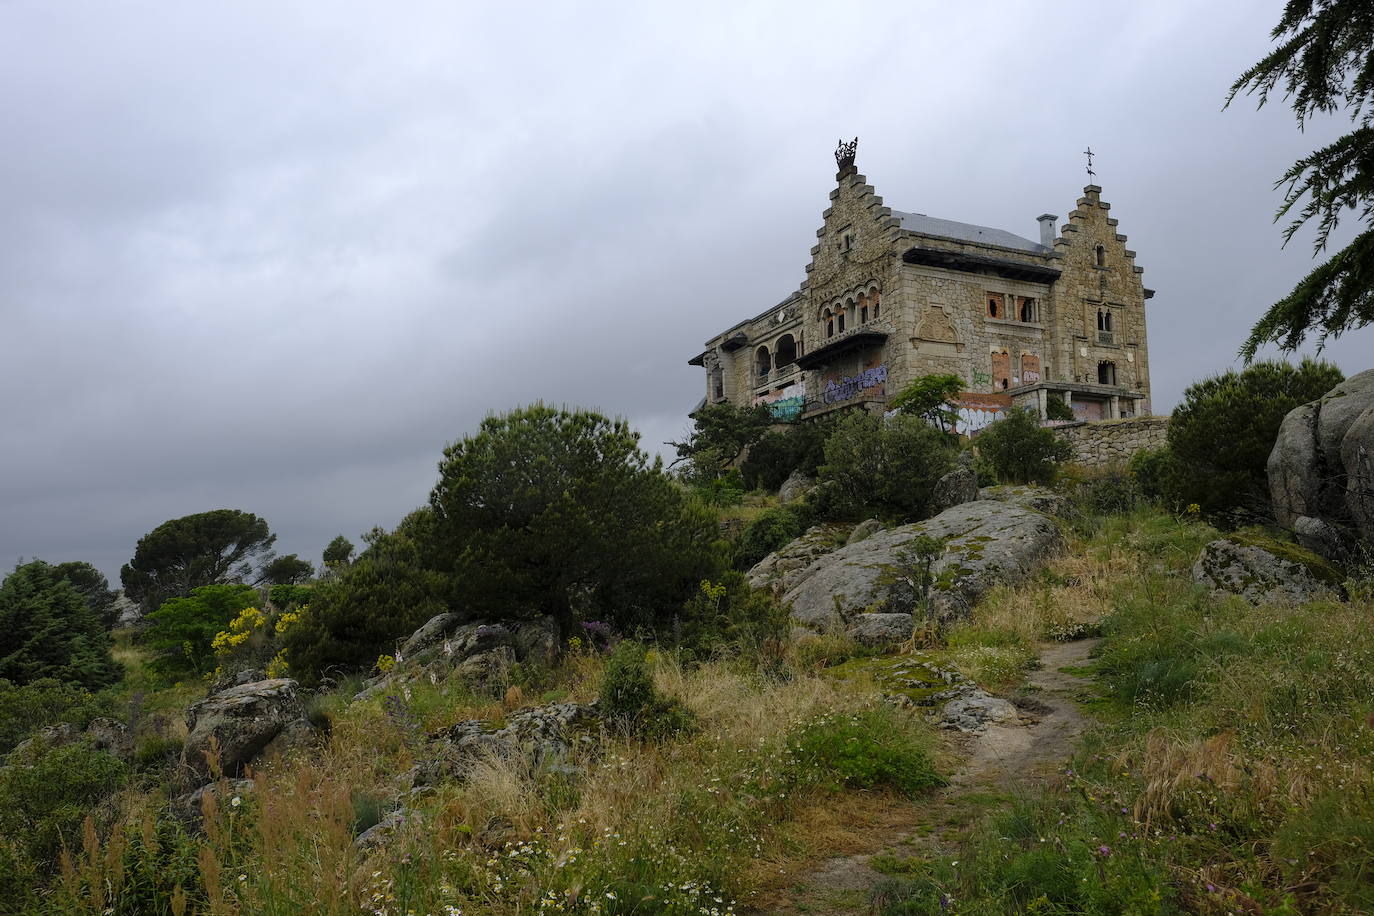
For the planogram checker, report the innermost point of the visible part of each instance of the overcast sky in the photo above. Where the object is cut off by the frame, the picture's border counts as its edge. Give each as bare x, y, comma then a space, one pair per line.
273, 256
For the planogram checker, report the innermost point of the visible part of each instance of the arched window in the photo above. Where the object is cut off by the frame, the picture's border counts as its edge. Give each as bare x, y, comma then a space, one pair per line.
877, 303
1101, 256
785, 351
717, 383
1106, 372
829, 323
764, 361
841, 319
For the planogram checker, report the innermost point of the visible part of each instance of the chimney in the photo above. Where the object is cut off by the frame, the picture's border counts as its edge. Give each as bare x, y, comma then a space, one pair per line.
1047, 231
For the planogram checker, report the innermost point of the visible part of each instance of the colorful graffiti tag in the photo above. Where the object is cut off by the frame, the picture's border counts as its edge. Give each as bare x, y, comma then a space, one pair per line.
848, 387
785, 403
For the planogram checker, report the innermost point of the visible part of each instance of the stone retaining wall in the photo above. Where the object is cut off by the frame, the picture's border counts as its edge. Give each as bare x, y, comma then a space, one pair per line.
1101, 443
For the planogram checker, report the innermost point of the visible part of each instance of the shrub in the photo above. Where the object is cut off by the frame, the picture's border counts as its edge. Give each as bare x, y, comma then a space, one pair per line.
183, 630
288, 596
630, 702
769, 530
1020, 450
1056, 409
867, 749
774, 457
1221, 435
49, 630
384, 595
730, 615
25, 709
884, 466
43, 803
534, 515
1150, 468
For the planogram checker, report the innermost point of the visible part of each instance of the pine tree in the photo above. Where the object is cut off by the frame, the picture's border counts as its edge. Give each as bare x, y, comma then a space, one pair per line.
47, 629
1323, 64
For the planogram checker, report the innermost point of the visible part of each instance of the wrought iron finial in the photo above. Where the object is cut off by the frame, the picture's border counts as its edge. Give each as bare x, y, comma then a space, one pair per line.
845, 152
1091, 174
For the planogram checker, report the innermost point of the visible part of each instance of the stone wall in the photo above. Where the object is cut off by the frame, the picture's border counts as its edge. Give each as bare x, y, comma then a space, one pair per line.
1099, 444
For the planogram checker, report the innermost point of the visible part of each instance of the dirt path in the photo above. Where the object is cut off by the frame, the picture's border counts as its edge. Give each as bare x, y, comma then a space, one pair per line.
999, 763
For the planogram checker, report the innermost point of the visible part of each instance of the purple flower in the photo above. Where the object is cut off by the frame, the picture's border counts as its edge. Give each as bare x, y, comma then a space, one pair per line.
1104, 851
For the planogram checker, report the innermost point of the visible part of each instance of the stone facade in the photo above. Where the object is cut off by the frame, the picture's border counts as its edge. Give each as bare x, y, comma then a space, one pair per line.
890, 296
1114, 441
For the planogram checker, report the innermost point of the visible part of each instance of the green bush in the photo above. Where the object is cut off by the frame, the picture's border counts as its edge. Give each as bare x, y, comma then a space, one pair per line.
49, 630
1056, 409
384, 595
769, 530
883, 466
182, 630
629, 701
289, 596
1020, 450
559, 513
44, 801
773, 458
1221, 435
729, 615
1150, 468
24, 710
866, 750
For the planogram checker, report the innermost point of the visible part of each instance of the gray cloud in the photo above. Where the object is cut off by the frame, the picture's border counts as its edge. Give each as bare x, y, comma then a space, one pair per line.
274, 256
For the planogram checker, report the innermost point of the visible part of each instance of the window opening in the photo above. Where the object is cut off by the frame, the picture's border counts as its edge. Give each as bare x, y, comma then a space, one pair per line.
1101, 256
829, 323
785, 351
1106, 372
764, 360
1026, 307
995, 309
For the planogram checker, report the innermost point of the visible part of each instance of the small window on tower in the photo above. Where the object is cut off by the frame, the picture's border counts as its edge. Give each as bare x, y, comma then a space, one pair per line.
1101, 256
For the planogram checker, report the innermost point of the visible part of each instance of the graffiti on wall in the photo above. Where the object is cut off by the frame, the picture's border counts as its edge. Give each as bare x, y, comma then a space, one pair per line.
784, 403
981, 378
850, 386
978, 411
1030, 368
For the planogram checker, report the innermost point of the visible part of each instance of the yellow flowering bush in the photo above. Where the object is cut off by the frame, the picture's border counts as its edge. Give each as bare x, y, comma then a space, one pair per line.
249, 621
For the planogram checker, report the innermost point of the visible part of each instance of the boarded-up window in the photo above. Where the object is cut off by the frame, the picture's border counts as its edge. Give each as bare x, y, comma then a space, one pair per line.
1030, 368
1001, 370
996, 306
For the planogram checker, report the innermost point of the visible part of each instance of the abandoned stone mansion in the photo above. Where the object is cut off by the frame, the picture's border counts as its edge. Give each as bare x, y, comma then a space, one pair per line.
891, 296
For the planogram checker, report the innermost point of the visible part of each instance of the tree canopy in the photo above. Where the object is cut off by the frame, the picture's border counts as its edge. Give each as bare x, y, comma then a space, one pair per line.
183, 629
338, 553
1324, 63
203, 549
720, 434
94, 587
932, 397
1221, 435
48, 630
286, 570
559, 512
1020, 450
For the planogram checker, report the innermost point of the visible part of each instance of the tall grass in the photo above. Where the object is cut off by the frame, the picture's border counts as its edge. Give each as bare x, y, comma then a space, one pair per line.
1233, 769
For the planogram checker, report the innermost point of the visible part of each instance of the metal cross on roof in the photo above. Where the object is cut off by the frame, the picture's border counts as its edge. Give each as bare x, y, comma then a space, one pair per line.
1089, 153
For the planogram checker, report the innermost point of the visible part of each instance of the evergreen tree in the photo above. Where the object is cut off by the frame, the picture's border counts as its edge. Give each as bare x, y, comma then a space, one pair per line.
557, 512
1221, 435
1324, 63
48, 630
208, 548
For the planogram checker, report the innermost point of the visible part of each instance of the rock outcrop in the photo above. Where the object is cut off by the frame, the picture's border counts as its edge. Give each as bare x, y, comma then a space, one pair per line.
480, 652
1265, 572
1322, 467
543, 736
957, 487
984, 543
797, 485
102, 734
241, 724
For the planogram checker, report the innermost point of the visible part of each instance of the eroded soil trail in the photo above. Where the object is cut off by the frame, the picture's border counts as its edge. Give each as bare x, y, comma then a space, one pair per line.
997, 764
